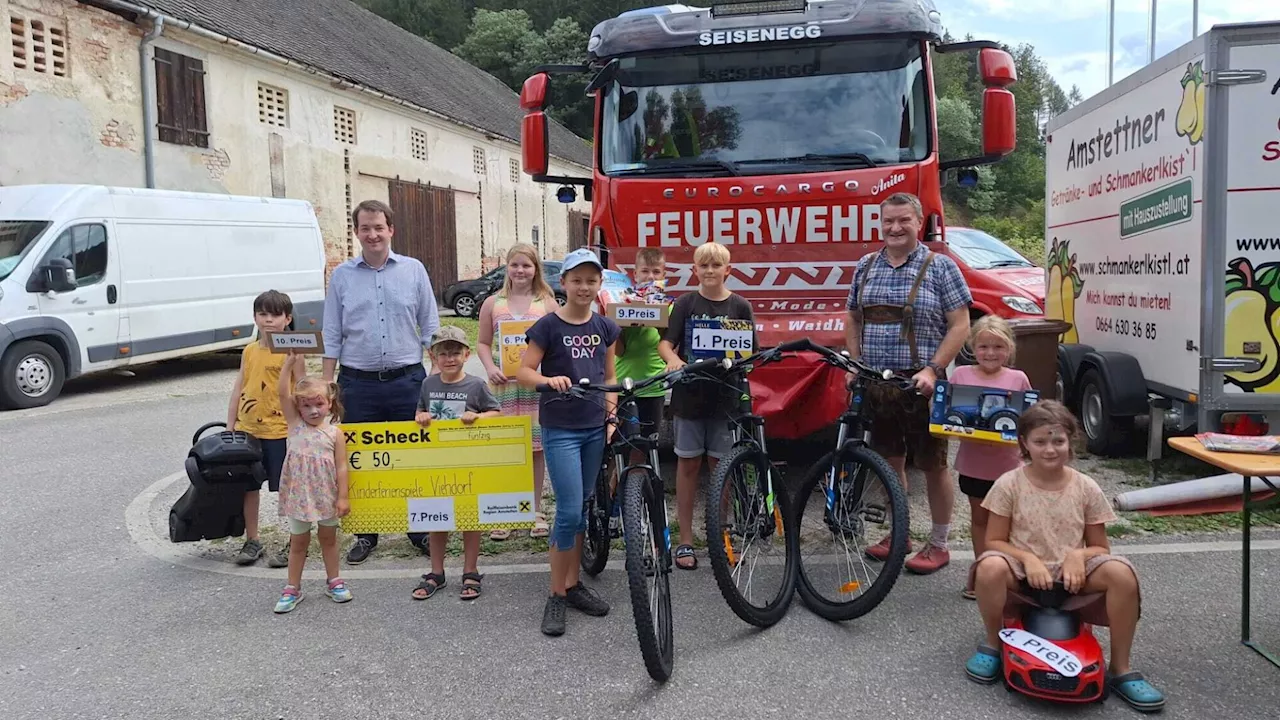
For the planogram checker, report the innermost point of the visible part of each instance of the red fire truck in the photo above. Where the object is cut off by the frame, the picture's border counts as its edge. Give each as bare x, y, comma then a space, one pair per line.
775, 128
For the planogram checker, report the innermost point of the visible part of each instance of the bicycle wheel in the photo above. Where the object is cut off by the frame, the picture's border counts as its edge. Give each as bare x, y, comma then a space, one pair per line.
596, 540
752, 551
644, 527
864, 510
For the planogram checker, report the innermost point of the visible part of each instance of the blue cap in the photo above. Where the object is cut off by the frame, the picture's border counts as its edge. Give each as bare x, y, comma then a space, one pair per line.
578, 257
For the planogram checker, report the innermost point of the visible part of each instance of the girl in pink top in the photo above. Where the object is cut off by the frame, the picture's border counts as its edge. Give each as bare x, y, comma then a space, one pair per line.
979, 464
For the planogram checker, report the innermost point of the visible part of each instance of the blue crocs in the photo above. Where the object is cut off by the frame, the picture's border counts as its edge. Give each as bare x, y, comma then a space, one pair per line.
984, 666
1135, 690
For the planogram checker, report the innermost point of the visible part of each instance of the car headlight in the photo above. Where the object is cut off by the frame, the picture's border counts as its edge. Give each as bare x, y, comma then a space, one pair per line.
1022, 305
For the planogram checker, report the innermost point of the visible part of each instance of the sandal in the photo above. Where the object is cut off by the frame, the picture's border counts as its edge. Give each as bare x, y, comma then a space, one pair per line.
1135, 690
984, 666
500, 534
686, 551
431, 582
470, 586
540, 528
968, 594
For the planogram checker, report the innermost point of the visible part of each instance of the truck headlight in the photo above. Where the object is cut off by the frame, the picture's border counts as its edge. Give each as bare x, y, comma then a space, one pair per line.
1022, 305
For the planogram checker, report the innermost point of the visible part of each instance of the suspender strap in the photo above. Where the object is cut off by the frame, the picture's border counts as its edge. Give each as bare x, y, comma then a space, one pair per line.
908, 311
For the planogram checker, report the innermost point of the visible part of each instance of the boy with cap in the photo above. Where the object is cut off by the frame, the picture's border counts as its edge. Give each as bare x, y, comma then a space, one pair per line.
452, 394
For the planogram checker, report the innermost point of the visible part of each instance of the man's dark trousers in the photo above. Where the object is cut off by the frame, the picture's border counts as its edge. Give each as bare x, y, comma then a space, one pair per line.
368, 400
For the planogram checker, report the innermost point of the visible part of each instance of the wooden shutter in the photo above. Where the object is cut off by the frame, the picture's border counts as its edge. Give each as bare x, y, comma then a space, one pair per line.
180, 101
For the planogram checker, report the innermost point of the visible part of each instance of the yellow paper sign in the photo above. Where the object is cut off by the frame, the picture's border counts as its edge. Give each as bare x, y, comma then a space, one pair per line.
448, 476
512, 343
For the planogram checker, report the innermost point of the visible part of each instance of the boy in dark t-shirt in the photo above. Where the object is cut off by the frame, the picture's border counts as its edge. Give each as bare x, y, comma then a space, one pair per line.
453, 395
700, 409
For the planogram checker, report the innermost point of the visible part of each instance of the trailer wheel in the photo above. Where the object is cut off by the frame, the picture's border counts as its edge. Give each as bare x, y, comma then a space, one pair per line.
1104, 434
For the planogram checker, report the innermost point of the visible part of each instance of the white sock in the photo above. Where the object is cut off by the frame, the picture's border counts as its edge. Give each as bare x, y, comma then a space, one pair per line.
939, 536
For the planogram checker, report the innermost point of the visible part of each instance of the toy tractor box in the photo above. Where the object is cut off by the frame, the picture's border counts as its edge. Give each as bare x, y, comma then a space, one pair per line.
973, 412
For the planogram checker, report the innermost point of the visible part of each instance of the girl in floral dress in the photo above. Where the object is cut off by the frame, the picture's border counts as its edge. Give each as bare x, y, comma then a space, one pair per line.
525, 295
313, 485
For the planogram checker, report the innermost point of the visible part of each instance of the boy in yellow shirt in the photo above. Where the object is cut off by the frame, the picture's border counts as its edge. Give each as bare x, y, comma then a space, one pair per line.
255, 409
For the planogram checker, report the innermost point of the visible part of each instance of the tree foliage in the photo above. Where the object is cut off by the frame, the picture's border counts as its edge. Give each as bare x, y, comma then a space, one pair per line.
508, 38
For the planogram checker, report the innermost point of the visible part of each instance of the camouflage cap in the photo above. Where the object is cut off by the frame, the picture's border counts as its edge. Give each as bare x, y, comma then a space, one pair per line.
448, 334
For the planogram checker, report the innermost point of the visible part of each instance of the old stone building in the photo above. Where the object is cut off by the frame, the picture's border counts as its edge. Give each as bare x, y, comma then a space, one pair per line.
313, 99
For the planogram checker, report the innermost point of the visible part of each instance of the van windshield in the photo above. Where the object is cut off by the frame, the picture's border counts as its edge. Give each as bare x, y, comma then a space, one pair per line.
17, 237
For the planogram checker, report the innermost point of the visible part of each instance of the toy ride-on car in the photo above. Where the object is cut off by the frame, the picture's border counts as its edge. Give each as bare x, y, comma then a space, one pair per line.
1050, 653
221, 468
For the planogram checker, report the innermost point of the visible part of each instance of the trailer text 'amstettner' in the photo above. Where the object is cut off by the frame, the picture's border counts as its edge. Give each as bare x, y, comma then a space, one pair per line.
1127, 135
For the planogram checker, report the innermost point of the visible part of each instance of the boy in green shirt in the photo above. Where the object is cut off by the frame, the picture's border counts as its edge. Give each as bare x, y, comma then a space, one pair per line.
637, 350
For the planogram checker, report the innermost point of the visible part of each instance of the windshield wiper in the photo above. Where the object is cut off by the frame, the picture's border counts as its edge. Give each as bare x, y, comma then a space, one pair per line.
1010, 263
702, 164
860, 158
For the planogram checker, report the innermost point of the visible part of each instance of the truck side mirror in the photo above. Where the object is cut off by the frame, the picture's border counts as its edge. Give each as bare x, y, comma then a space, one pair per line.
58, 275
999, 122
533, 95
534, 143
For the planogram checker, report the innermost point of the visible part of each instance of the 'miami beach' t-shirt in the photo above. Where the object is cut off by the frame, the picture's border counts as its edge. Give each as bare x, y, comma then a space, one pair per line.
576, 352
447, 401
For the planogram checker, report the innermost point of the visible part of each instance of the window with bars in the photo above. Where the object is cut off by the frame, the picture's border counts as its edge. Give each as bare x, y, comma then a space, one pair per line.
344, 125
273, 105
38, 46
477, 160
418, 139
180, 106
515, 170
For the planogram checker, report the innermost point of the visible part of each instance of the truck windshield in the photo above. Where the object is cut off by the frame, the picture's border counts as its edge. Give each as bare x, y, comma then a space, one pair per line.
16, 239
981, 251
823, 105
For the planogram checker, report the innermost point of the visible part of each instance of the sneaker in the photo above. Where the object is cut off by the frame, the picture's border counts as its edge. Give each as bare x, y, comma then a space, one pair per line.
289, 599
280, 558
931, 559
359, 552
337, 591
553, 616
249, 552
582, 598
880, 550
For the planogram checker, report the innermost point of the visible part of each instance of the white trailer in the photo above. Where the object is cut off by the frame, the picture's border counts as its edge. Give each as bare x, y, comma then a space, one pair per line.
1163, 242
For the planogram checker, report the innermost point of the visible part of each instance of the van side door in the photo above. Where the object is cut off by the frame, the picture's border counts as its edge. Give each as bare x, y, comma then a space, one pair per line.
92, 309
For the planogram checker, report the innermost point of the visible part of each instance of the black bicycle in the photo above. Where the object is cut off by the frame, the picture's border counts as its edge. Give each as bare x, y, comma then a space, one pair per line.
750, 542
850, 511
645, 531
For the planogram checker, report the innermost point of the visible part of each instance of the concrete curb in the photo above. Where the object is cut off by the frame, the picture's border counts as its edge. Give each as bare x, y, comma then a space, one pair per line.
139, 512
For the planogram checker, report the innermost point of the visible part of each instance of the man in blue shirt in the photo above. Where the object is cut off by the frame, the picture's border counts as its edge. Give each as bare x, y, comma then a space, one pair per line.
379, 315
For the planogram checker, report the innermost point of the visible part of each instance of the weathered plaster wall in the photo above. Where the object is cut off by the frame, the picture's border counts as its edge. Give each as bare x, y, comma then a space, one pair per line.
87, 127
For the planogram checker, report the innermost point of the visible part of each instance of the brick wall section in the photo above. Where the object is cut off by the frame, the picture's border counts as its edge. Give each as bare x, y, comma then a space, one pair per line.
118, 134
12, 93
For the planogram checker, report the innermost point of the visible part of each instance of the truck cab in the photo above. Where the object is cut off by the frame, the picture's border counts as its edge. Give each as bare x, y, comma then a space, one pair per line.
776, 129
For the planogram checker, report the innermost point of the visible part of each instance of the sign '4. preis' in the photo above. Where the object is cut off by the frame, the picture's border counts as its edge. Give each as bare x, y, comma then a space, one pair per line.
1046, 652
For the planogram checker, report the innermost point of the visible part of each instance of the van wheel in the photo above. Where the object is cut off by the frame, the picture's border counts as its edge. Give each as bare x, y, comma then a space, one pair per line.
31, 375
1104, 434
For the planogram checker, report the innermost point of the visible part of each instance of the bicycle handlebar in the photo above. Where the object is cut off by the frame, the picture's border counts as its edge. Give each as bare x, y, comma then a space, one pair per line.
831, 357
669, 378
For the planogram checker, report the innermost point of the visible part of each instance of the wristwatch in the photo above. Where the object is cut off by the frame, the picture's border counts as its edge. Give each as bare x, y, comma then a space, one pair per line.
937, 369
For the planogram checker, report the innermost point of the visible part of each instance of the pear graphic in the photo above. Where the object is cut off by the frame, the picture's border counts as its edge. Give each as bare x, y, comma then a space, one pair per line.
1189, 121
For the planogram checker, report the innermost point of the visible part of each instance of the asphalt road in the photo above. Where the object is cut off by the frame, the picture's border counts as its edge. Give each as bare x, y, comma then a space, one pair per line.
95, 625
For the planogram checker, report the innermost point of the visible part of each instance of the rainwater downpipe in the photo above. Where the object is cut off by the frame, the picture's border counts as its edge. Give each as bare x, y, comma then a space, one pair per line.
148, 99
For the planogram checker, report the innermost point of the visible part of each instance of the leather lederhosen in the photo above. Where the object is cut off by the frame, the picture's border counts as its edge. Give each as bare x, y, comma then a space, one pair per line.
885, 314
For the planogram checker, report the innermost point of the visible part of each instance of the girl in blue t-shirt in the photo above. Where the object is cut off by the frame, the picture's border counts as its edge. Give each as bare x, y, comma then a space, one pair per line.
570, 344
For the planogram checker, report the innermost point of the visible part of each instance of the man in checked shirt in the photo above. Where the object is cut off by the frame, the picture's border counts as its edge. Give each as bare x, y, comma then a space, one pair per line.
379, 315
909, 312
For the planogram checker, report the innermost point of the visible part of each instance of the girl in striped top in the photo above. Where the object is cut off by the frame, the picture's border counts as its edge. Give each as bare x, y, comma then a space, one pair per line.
525, 295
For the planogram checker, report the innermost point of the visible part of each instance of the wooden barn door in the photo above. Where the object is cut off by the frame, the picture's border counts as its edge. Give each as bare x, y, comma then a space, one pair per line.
427, 229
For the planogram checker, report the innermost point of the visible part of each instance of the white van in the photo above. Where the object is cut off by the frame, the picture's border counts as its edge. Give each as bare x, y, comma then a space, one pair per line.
94, 278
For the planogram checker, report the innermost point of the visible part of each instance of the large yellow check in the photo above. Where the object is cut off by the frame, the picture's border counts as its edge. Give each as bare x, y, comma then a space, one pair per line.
448, 476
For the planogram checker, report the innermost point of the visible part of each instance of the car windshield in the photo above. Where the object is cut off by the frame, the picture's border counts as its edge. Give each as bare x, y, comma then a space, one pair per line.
834, 104
17, 237
981, 251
